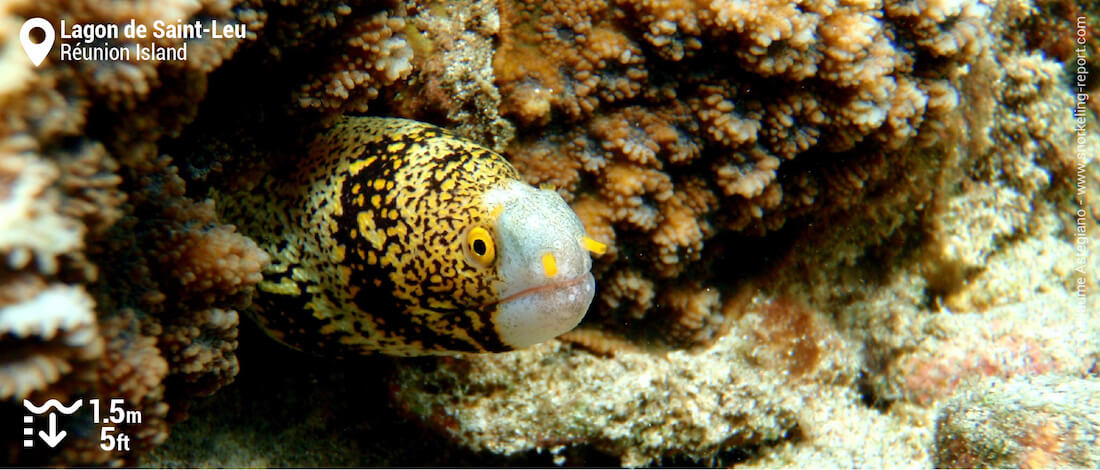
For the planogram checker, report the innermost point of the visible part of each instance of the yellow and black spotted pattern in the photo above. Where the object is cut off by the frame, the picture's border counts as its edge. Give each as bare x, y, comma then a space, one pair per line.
367, 239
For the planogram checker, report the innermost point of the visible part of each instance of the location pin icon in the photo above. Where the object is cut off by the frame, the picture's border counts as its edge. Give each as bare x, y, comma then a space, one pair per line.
37, 52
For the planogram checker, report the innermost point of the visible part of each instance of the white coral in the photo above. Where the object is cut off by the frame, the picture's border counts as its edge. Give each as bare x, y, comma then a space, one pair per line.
60, 326
30, 225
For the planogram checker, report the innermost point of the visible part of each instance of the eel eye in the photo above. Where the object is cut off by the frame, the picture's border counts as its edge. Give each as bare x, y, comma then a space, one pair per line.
480, 249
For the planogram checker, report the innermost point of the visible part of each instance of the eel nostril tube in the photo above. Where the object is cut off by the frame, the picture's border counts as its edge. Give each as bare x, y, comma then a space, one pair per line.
593, 245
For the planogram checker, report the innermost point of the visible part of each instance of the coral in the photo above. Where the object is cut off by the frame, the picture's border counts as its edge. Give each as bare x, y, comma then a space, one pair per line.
48, 331
942, 29
824, 219
696, 313
207, 258
372, 56
134, 370
564, 57
630, 291
637, 135
33, 230
687, 315
87, 204
1056, 33
191, 275
542, 165
598, 342
627, 186
1038, 422
810, 111
452, 70
927, 230
202, 351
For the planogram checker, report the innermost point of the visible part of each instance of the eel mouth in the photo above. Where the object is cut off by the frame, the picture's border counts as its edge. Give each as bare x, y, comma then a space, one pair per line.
543, 312
543, 289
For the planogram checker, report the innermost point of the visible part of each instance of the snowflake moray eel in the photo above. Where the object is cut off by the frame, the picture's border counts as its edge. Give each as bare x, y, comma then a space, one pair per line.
398, 237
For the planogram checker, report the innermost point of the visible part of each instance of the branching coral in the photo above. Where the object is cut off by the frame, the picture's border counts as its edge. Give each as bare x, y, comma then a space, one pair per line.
806, 110
134, 370
686, 135
543, 165
372, 57
84, 204
942, 28
202, 350
630, 291
565, 57
48, 330
696, 313
207, 258
849, 127
192, 271
31, 228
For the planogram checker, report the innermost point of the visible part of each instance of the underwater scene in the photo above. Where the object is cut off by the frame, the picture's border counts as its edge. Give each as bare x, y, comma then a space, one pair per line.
721, 233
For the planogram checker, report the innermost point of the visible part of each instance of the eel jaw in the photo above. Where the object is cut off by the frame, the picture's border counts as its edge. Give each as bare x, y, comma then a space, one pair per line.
543, 266
543, 312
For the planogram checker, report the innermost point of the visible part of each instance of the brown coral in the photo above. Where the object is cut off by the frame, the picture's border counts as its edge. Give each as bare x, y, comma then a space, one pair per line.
798, 118
943, 28
696, 313
372, 56
48, 331
83, 200
839, 124
135, 371
543, 165
202, 349
565, 57
210, 259
31, 228
687, 135
630, 291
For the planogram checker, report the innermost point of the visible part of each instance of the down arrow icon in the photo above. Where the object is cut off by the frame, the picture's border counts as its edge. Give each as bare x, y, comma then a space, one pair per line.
54, 437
